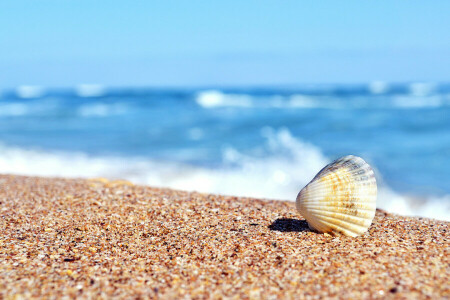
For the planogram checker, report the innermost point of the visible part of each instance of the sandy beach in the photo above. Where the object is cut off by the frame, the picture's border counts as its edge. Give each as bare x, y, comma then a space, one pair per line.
102, 239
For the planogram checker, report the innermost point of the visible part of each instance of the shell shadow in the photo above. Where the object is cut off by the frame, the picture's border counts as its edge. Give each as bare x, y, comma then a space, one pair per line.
289, 225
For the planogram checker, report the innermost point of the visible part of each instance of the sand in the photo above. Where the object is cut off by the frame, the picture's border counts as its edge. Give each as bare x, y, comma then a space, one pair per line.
102, 239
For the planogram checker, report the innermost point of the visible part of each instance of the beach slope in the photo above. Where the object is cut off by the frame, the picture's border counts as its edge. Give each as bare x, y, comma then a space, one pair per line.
99, 238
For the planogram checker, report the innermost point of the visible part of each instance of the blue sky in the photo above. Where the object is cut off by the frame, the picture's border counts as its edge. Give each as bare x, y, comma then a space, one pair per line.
190, 43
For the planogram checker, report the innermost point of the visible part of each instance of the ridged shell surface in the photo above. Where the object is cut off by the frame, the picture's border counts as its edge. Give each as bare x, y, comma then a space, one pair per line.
341, 198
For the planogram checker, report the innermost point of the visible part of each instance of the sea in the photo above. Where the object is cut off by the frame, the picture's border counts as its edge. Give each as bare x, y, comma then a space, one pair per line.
265, 142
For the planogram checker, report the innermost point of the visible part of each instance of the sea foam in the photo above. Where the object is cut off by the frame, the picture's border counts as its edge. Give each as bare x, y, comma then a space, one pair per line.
291, 165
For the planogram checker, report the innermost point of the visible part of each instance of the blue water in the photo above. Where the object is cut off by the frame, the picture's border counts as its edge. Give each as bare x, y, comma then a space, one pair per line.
403, 130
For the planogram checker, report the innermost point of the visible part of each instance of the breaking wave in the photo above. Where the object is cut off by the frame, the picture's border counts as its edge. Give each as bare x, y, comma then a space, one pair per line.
291, 164
418, 98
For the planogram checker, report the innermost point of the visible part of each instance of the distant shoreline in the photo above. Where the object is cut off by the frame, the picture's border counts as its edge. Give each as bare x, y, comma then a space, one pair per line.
91, 238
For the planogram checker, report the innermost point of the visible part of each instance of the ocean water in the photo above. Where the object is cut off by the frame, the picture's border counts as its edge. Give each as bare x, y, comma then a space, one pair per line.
259, 142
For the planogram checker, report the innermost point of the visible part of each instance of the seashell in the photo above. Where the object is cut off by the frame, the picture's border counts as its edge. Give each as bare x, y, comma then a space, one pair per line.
341, 198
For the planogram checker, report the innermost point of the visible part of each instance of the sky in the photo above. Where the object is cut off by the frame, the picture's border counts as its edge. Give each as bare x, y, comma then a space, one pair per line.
60, 43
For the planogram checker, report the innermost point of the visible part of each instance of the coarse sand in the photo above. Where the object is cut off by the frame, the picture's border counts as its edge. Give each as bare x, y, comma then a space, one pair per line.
103, 239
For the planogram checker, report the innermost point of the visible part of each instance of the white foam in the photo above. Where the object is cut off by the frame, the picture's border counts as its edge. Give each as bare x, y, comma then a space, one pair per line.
90, 90
216, 99
13, 109
418, 102
213, 98
29, 91
101, 110
420, 97
433, 207
43, 107
302, 102
291, 165
421, 88
378, 87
